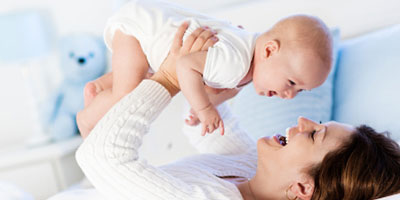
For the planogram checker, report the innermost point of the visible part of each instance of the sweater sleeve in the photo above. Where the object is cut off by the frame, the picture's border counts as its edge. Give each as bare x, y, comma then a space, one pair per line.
109, 155
234, 141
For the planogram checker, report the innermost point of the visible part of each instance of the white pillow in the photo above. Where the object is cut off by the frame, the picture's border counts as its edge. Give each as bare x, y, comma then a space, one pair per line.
78, 194
262, 116
392, 197
11, 192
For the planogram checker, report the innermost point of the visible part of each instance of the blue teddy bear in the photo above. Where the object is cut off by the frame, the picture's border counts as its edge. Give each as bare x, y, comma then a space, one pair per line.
83, 58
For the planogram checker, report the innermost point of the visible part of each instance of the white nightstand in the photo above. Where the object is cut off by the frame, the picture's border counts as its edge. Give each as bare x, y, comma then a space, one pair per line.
42, 171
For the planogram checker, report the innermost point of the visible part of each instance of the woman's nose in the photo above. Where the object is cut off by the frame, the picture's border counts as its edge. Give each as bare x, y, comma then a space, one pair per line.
292, 130
305, 124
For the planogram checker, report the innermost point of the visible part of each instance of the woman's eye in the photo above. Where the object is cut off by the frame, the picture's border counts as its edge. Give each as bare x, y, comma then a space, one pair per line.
292, 83
312, 134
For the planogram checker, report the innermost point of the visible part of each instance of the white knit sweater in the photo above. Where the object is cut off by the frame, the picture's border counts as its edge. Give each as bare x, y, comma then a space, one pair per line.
110, 160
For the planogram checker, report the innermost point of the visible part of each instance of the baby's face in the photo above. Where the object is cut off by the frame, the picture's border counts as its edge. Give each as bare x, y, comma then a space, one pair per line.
285, 74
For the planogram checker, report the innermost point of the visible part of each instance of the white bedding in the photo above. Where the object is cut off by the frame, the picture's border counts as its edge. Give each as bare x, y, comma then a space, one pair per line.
11, 192
78, 194
92, 194
393, 197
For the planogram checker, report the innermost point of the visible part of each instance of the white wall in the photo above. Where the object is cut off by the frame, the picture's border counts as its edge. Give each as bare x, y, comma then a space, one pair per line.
69, 16
90, 15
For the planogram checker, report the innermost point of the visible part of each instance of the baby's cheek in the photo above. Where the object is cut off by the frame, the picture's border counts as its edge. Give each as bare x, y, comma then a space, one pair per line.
259, 85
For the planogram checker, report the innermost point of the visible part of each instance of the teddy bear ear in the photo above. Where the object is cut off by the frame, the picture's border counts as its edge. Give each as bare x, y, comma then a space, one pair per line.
65, 43
100, 40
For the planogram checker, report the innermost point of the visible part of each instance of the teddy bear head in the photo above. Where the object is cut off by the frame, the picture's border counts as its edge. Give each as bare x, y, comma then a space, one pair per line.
83, 58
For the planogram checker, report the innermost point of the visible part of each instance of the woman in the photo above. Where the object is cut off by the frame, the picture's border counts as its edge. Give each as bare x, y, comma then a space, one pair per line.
313, 161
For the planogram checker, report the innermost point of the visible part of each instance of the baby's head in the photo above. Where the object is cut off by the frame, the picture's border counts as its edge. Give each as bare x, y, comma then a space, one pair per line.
294, 55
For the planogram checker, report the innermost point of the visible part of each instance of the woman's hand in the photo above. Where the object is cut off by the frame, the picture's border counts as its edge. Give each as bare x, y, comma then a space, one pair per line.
200, 40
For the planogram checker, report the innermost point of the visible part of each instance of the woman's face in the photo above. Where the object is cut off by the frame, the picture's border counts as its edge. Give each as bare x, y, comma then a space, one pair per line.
287, 163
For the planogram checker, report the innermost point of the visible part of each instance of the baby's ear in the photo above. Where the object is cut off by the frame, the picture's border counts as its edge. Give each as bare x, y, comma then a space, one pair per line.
271, 47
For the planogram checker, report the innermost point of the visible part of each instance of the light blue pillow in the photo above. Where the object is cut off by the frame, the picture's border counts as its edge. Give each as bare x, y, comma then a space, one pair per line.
368, 81
263, 116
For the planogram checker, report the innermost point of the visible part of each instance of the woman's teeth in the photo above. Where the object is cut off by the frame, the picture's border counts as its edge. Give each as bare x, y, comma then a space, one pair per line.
284, 140
287, 135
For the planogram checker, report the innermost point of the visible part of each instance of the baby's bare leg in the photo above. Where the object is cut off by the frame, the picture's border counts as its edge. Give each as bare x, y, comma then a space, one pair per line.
104, 82
129, 67
92, 88
88, 117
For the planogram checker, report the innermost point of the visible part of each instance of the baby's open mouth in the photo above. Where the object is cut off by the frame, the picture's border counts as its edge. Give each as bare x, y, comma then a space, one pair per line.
271, 93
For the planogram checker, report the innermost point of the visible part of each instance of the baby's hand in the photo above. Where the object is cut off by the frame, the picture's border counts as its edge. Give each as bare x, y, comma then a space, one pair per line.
193, 120
210, 119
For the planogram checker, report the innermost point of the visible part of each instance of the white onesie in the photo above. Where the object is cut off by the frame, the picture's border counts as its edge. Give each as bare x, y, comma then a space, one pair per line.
154, 24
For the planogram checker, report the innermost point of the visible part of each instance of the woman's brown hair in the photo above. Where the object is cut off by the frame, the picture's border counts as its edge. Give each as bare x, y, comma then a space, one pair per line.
366, 167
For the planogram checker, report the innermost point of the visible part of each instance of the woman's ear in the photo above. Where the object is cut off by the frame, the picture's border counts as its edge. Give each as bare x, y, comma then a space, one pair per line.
271, 47
303, 188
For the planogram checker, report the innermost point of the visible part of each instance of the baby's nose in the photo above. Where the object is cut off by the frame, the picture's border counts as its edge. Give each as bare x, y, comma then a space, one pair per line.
289, 94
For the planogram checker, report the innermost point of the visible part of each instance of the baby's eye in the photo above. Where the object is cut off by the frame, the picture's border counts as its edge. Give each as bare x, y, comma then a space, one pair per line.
292, 83
301, 90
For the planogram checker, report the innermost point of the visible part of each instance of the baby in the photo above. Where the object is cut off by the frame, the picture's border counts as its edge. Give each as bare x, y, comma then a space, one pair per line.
292, 56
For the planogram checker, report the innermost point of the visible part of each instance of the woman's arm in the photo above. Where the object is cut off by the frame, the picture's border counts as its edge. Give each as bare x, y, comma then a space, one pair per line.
109, 155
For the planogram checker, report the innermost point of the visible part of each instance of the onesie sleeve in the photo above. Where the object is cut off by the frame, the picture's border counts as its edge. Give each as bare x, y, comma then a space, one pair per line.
225, 65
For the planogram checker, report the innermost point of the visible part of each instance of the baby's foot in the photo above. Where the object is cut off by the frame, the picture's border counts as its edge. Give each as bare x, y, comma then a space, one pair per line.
89, 92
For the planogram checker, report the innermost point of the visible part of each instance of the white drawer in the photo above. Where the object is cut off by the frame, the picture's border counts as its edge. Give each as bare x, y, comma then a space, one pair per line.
38, 179
42, 171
